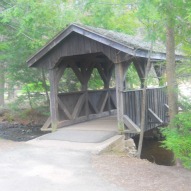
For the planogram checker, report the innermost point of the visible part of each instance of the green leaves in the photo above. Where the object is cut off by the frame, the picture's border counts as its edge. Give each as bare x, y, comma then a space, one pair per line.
113, 15
178, 139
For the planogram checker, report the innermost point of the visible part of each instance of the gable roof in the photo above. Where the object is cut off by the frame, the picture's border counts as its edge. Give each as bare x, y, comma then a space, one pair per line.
131, 45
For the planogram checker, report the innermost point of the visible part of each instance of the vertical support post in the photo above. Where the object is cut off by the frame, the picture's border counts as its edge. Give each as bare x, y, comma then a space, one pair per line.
86, 76
119, 77
53, 98
85, 88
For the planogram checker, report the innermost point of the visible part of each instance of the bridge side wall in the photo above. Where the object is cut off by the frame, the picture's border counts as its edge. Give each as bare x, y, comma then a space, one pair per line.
156, 100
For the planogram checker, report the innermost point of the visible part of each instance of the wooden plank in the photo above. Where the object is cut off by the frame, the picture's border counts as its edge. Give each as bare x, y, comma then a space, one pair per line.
101, 72
166, 106
99, 115
137, 108
47, 124
102, 101
53, 98
78, 106
64, 109
83, 119
93, 106
113, 101
77, 72
61, 70
71, 122
133, 128
155, 118
119, 76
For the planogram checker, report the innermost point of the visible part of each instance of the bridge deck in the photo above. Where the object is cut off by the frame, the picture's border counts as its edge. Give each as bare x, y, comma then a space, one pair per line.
102, 124
95, 131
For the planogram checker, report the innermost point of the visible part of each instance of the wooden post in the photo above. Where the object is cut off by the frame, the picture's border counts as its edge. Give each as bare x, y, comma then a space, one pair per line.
53, 98
119, 76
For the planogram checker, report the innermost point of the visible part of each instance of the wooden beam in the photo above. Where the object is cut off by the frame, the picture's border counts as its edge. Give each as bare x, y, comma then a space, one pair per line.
119, 76
64, 109
77, 72
155, 118
102, 102
60, 72
93, 106
78, 106
166, 106
101, 72
47, 124
89, 71
132, 127
112, 101
53, 98
140, 65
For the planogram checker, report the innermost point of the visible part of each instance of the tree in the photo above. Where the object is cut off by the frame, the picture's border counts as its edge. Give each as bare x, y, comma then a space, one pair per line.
167, 27
27, 26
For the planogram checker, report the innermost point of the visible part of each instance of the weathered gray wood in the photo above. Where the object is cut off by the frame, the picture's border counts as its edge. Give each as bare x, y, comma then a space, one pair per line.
64, 108
132, 127
83, 45
83, 119
78, 106
53, 98
119, 76
166, 107
71, 122
93, 106
47, 124
60, 71
77, 72
101, 72
99, 115
155, 118
102, 102
156, 100
113, 101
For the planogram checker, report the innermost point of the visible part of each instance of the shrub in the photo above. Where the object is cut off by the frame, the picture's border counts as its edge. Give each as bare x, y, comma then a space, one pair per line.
178, 139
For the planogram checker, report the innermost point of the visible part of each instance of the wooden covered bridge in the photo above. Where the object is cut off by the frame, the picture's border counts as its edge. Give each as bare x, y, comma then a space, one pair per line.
84, 49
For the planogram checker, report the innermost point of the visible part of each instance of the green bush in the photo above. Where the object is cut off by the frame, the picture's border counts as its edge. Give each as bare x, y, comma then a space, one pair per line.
178, 139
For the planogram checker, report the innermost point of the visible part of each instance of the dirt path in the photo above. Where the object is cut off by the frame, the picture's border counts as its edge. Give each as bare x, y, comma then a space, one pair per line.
141, 175
7, 144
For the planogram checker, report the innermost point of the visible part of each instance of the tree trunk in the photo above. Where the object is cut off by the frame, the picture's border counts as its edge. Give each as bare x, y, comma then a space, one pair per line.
143, 104
2, 87
45, 86
10, 91
171, 72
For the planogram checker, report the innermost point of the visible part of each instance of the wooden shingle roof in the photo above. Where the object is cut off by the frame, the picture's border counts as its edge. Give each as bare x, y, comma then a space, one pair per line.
132, 45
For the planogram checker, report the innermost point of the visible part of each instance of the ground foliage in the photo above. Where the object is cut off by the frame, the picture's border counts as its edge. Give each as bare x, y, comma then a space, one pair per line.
178, 139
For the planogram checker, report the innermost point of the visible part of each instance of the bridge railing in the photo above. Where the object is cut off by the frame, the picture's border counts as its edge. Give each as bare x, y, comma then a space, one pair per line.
156, 107
80, 106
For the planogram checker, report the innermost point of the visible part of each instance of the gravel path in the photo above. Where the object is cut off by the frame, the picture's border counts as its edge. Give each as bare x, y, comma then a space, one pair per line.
141, 175
26, 167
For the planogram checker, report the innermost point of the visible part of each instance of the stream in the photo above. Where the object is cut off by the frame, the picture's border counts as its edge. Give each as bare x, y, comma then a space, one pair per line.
153, 152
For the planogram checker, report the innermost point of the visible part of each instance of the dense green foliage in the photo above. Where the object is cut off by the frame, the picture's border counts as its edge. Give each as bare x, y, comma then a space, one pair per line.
178, 139
26, 25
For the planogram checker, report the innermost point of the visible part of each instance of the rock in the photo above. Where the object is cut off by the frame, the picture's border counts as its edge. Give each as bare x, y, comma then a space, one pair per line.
130, 147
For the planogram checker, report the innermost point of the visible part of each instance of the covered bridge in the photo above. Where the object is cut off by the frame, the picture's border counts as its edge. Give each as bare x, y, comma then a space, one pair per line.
83, 49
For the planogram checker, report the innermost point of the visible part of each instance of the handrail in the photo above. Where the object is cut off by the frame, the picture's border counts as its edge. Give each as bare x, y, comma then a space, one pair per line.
161, 87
